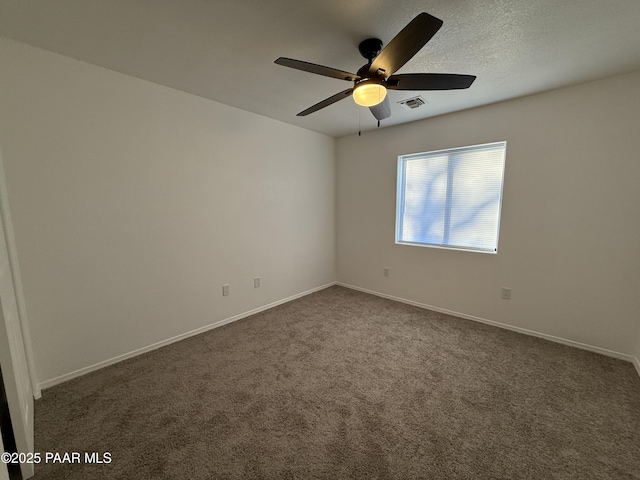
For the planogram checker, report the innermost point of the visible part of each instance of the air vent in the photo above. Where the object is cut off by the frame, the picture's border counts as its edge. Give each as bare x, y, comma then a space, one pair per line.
412, 103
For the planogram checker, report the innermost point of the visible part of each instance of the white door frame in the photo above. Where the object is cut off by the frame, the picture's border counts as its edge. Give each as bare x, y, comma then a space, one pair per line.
15, 342
4, 471
5, 218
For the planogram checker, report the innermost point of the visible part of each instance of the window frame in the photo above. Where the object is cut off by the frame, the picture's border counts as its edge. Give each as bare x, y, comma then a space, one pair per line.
400, 196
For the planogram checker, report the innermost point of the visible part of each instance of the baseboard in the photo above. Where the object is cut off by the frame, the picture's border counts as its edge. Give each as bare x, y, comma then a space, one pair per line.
206, 328
636, 363
564, 341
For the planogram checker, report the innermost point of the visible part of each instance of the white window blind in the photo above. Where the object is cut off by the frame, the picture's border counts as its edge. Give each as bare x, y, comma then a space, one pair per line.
451, 198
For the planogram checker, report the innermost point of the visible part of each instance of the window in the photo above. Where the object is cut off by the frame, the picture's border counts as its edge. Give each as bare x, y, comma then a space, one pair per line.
451, 198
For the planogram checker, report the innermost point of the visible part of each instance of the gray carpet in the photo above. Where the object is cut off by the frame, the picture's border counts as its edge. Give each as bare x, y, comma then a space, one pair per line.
341, 384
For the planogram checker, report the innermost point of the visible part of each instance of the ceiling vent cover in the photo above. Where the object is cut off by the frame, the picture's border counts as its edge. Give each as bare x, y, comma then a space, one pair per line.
412, 103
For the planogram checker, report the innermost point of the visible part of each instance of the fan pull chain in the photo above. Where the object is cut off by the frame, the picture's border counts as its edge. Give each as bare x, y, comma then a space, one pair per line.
359, 123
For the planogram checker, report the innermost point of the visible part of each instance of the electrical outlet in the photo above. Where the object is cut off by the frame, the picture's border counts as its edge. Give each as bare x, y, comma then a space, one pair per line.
506, 293
385, 272
256, 282
225, 290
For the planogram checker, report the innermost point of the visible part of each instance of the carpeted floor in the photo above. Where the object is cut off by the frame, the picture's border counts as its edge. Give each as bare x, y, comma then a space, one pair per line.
340, 384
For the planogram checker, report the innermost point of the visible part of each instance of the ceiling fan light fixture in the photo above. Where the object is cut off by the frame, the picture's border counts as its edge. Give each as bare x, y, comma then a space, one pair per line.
369, 93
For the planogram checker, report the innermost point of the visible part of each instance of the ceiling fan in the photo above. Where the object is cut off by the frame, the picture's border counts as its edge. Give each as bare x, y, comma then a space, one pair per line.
371, 82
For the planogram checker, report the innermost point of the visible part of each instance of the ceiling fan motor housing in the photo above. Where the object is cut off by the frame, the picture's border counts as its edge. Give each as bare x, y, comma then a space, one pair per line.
370, 48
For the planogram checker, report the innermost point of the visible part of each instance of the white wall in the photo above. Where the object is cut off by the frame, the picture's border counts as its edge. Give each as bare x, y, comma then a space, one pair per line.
570, 231
133, 203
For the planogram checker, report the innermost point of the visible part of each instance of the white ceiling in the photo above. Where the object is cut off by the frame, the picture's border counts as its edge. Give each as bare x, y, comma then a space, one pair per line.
224, 49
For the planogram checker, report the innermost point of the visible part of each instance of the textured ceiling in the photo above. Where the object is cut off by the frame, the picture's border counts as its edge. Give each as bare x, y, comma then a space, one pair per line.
224, 49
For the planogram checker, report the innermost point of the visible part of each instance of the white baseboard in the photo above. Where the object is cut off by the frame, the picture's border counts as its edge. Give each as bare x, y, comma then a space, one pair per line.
636, 363
571, 343
77, 373
83, 371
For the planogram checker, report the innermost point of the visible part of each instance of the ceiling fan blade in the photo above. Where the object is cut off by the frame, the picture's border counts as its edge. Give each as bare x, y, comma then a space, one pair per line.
326, 102
406, 44
382, 110
429, 81
317, 69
